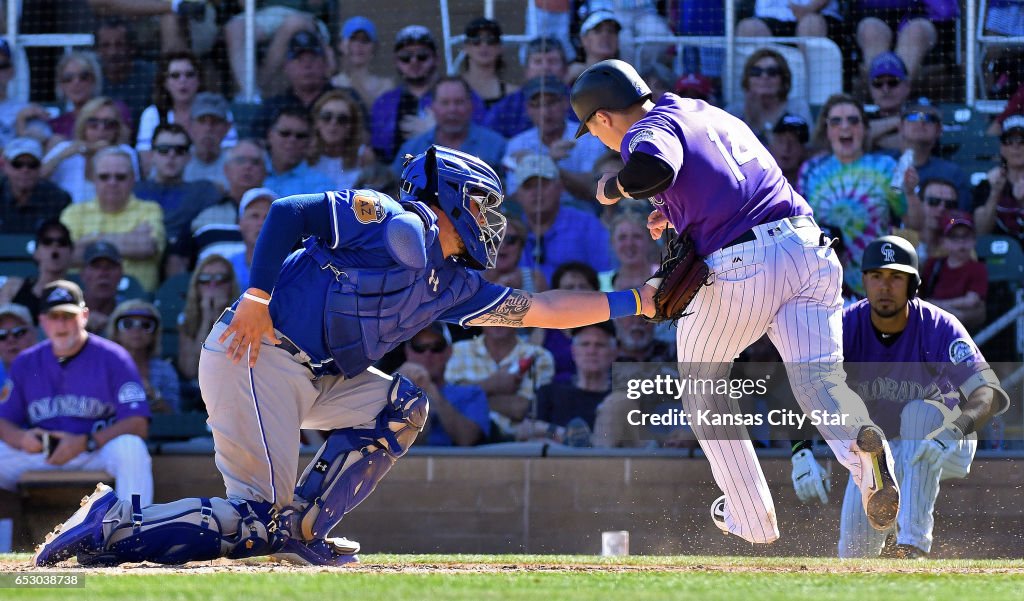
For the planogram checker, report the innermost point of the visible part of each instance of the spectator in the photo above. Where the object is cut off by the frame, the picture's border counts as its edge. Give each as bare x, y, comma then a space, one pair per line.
1015, 106
135, 227
340, 147
938, 197
557, 233
212, 289
659, 79
181, 201
106, 432
920, 129
135, 325
507, 368
636, 342
172, 21
52, 255
767, 83
599, 36
400, 113
849, 188
803, 18
69, 164
957, 282
635, 252
508, 116
79, 80
452, 108
550, 19
289, 138
209, 128
101, 282
890, 88
877, 20
696, 86
484, 63
305, 74
125, 77
787, 143
571, 275
252, 212
637, 18
459, 414
507, 271
1000, 198
547, 100
17, 333
9, 107
358, 47
26, 200
245, 168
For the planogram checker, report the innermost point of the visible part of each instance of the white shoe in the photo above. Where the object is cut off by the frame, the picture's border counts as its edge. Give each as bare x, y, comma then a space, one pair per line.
879, 492
718, 514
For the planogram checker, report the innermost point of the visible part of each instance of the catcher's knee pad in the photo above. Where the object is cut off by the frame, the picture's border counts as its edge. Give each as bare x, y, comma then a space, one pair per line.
193, 529
352, 461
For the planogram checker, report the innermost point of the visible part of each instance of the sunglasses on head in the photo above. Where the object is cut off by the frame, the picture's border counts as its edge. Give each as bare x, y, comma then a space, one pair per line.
32, 164
108, 177
435, 347
179, 74
17, 333
337, 118
145, 324
934, 201
287, 133
79, 75
215, 278
407, 57
766, 71
850, 120
887, 82
47, 241
178, 149
920, 116
104, 123
487, 40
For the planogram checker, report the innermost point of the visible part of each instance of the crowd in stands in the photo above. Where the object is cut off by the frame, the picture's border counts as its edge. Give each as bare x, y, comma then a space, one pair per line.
142, 173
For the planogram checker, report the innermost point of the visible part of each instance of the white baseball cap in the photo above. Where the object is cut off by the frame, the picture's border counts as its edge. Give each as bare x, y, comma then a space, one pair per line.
254, 193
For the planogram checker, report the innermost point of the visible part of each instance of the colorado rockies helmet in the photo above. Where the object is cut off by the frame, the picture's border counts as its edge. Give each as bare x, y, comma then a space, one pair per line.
611, 85
467, 190
893, 252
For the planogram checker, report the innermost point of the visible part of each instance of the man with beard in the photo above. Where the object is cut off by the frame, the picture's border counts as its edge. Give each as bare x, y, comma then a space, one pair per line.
637, 343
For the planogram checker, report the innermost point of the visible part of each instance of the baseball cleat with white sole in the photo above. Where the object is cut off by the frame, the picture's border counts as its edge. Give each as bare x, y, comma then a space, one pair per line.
82, 532
879, 491
320, 552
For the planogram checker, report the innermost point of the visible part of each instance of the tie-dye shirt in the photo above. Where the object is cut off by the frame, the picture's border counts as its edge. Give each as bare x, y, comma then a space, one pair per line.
857, 198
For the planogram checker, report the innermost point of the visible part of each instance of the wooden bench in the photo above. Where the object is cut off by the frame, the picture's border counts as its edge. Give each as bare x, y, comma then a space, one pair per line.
49, 497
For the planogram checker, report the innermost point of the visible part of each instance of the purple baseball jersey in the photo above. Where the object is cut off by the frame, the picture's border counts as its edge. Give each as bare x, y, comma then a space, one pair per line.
933, 358
726, 181
99, 385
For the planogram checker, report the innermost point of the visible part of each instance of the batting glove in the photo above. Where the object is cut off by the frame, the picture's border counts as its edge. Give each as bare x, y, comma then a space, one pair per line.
810, 480
939, 445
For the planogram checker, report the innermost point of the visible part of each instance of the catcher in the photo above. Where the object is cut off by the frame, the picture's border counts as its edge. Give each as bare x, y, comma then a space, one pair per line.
750, 260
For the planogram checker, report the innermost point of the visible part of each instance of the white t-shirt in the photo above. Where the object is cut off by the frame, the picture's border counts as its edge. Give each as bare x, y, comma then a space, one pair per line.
70, 174
779, 9
344, 179
151, 118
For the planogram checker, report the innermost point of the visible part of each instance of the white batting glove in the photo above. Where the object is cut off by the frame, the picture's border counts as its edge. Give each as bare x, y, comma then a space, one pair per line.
939, 445
810, 480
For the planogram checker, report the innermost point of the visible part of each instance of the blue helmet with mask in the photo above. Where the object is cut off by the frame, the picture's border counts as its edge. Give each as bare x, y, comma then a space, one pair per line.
467, 191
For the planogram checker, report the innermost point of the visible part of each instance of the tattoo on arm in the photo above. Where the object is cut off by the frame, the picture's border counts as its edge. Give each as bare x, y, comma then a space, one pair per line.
509, 313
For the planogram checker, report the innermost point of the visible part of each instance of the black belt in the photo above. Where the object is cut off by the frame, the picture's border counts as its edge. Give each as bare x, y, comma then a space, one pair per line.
286, 345
796, 222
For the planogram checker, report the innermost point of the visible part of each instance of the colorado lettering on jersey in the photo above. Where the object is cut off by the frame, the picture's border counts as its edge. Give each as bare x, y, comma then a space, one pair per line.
67, 405
898, 391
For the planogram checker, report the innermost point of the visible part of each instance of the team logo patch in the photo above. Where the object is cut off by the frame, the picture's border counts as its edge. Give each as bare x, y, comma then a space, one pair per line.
367, 209
131, 392
643, 135
960, 350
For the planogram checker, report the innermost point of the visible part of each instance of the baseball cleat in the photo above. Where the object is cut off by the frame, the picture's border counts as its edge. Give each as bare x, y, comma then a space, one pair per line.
320, 552
718, 514
902, 551
83, 531
879, 491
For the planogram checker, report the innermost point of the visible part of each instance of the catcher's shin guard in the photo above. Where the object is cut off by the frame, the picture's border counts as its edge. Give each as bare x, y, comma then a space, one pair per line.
351, 463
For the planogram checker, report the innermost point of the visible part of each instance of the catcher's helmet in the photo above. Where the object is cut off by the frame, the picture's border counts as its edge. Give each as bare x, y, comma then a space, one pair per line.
893, 252
610, 85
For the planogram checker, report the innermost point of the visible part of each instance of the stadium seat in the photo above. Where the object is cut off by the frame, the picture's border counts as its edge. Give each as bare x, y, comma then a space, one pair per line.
183, 426
1003, 258
170, 301
21, 269
18, 247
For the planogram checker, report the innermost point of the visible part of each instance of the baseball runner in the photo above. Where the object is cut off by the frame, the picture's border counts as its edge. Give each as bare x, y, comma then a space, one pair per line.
295, 352
770, 270
924, 382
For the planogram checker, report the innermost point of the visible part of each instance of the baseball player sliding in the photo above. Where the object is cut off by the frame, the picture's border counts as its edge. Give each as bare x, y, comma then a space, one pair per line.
771, 270
295, 352
924, 381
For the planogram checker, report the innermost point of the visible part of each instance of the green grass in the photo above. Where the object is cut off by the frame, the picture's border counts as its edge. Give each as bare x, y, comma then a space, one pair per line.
559, 578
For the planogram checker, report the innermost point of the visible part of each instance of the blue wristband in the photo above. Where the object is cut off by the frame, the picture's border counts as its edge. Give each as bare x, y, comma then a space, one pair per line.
623, 303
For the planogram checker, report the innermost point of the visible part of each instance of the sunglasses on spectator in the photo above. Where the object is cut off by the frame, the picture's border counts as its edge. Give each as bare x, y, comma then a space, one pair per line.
407, 57
178, 149
922, 116
851, 120
179, 74
1012, 140
434, 347
107, 177
46, 241
287, 133
337, 118
16, 333
242, 160
32, 164
887, 82
213, 278
145, 324
934, 201
766, 71
488, 40
108, 124
79, 75
5, 66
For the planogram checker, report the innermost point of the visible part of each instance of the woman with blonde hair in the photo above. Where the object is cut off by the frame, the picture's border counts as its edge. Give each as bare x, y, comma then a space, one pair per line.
135, 325
340, 148
636, 252
212, 289
767, 82
79, 79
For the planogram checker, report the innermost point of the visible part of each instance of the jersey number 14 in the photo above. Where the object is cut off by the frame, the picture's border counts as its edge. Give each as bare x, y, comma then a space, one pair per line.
745, 148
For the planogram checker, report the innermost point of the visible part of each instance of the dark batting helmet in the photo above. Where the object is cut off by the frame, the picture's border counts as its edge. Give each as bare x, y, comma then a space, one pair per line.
611, 85
893, 252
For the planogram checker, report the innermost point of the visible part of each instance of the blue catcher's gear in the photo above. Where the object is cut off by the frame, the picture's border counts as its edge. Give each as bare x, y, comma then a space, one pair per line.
468, 191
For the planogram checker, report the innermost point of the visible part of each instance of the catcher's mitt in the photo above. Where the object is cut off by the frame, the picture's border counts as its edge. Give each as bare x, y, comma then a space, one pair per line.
681, 275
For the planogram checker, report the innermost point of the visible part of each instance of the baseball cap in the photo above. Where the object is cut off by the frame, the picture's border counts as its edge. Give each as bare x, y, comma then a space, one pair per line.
888, 63
606, 326
414, 34
441, 329
954, 218
304, 41
535, 165
694, 85
18, 311
48, 226
921, 105
548, 84
101, 249
62, 295
208, 103
795, 124
356, 24
481, 24
252, 194
596, 18
19, 146
1013, 123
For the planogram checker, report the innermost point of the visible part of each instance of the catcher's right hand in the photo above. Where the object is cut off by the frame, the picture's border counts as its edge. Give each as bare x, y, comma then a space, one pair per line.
810, 480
